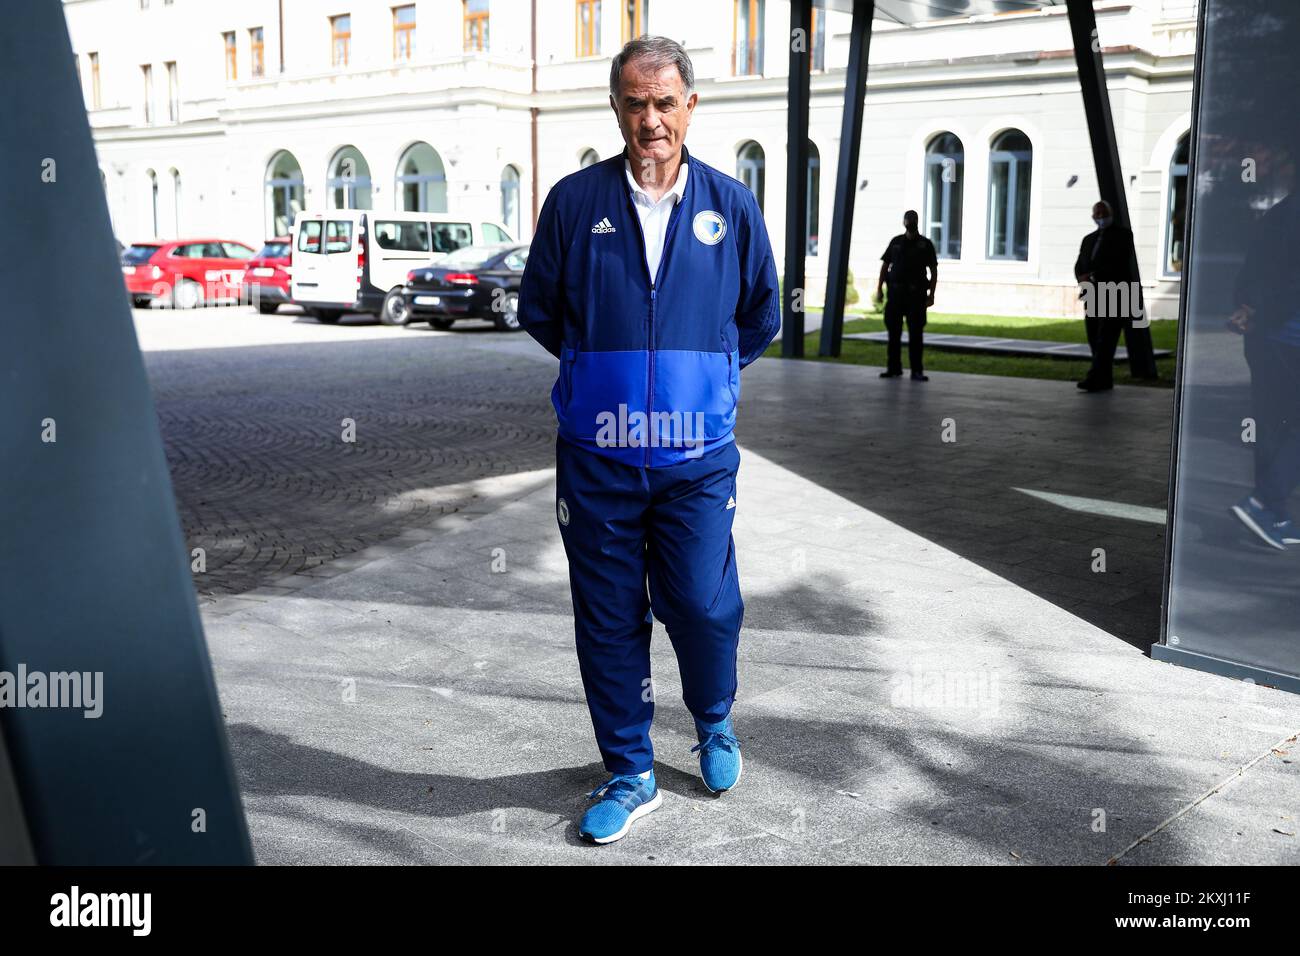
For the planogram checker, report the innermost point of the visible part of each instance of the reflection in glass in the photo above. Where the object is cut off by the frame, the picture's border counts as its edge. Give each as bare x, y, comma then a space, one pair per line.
1176, 209
1234, 580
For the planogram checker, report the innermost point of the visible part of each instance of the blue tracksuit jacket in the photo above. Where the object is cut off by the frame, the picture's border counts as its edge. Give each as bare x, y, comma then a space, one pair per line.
664, 351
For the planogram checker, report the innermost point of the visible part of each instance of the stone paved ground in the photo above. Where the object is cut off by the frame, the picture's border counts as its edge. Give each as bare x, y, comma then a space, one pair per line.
265, 483
931, 671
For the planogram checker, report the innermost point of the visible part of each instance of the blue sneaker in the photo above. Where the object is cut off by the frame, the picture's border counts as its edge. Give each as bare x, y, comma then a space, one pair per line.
623, 800
719, 751
1287, 531
1263, 522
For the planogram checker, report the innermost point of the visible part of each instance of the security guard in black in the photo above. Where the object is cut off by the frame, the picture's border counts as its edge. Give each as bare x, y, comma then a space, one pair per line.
903, 269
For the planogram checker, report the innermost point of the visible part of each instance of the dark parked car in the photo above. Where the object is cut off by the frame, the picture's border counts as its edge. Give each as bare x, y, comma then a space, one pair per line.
474, 282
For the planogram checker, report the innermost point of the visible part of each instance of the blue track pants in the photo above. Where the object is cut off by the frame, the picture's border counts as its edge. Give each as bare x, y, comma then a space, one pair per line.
643, 540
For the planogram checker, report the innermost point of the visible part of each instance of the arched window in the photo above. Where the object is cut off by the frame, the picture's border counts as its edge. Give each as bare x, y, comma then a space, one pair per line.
348, 184
945, 161
814, 196
285, 194
510, 200
153, 202
1011, 163
751, 169
421, 180
588, 158
176, 202
1176, 208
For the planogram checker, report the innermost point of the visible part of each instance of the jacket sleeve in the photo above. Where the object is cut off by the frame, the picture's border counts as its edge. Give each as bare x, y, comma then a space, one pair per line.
1083, 262
541, 291
758, 311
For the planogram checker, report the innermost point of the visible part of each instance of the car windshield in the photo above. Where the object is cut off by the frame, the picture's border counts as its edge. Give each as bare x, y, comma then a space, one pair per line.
138, 255
469, 256
274, 250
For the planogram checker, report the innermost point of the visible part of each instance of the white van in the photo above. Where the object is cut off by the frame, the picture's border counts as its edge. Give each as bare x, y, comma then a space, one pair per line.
356, 260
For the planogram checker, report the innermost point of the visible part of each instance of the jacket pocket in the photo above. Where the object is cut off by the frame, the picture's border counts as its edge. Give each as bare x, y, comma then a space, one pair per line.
568, 357
733, 369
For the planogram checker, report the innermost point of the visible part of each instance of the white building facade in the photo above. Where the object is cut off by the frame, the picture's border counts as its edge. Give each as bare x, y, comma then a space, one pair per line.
226, 119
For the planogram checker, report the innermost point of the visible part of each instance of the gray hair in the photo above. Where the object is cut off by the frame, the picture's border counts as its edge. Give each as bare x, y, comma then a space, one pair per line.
656, 53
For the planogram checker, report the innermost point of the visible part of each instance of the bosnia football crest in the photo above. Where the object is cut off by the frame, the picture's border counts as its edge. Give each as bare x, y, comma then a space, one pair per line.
709, 227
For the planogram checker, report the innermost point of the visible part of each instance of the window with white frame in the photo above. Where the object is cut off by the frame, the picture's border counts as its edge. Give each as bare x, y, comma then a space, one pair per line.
1011, 163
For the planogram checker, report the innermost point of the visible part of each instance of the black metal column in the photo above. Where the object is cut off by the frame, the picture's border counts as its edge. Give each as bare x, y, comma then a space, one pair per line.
846, 177
1105, 158
129, 762
796, 180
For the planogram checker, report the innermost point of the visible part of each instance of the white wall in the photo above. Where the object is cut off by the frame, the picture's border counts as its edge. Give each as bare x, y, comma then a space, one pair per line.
972, 78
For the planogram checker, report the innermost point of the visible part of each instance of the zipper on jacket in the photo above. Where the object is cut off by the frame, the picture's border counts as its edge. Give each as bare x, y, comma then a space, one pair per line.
650, 377
654, 280
650, 327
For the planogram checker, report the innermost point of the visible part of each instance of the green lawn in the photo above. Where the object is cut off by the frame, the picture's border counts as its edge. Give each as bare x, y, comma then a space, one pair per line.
1163, 334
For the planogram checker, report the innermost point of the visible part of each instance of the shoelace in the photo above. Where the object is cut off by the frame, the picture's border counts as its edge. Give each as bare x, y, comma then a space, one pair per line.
717, 739
616, 785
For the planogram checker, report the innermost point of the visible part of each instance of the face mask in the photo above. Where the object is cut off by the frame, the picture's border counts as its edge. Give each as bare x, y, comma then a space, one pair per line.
1103, 222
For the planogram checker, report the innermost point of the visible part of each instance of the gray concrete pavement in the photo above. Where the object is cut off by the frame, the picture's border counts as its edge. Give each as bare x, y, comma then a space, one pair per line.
930, 670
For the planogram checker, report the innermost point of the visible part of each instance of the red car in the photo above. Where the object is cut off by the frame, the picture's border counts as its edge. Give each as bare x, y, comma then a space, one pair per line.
266, 282
185, 273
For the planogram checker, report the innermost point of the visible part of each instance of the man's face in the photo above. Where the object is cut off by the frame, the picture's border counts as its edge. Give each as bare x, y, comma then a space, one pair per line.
909, 223
1099, 211
653, 113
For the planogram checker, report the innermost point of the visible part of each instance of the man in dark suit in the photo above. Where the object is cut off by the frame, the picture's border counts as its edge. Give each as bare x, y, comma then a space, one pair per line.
1105, 269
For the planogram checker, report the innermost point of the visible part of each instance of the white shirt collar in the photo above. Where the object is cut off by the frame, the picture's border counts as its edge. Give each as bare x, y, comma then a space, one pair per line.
676, 192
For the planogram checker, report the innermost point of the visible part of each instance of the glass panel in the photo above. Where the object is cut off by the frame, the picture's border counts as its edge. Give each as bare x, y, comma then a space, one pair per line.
138, 255
1020, 241
467, 256
954, 213
999, 184
402, 236
338, 235
814, 198
941, 219
309, 237
750, 170
1233, 588
450, 236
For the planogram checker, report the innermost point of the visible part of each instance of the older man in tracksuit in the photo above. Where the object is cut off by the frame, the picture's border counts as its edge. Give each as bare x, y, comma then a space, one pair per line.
651, 278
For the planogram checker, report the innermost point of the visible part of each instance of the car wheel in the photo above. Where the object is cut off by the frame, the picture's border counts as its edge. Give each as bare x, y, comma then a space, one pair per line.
267, 308
443, 324
187, 294
394, 310
507, 319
